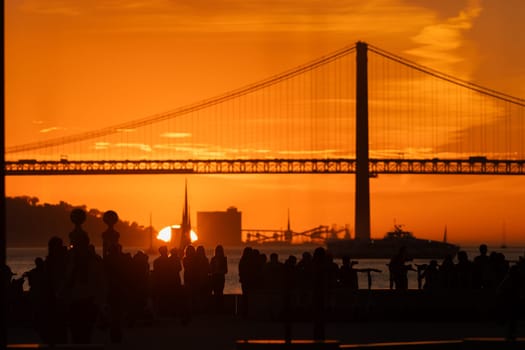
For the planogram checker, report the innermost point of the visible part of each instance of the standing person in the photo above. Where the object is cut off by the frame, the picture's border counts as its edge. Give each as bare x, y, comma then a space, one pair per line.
480, 268
189, 274
202, 277
84, 287
398, 269
174, 281
160, 278
348, 275
55, 267
218, 271
247, 277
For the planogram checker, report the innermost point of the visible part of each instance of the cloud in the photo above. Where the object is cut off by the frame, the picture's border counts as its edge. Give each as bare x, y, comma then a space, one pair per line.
438, 42
176, 135
239, 16
51, 129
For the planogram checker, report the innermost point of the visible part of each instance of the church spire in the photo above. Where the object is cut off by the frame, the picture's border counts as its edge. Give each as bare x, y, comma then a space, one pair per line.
185, 226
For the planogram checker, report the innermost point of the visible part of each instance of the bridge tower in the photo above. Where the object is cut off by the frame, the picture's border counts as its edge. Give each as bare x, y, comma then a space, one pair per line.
362, 179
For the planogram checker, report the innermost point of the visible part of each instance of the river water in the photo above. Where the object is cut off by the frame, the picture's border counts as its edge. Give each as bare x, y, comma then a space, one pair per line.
22, 259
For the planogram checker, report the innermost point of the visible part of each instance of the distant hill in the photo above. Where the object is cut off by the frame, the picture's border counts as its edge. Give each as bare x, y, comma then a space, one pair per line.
31, 224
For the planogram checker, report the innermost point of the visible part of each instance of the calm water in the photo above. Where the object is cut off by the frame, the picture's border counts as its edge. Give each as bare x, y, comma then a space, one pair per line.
22, 259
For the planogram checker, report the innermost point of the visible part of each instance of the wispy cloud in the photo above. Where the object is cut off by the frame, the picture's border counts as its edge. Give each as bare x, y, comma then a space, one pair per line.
140, 146
51, 129
439, 41
175, 135
238, 15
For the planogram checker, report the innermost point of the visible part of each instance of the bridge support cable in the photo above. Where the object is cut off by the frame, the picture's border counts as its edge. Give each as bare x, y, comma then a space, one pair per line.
443, 76
189, 108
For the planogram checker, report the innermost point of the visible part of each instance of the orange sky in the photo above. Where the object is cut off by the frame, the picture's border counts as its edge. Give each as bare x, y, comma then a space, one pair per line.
73, 66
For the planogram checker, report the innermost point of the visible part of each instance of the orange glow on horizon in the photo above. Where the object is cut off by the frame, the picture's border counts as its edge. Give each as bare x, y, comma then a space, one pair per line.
73, 67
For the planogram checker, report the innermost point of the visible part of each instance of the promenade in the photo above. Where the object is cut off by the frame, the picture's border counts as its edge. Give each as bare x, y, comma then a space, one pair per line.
399, 328
222, 331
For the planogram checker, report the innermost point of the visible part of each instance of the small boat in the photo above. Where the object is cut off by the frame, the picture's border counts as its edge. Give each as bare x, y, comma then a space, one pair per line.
387, 247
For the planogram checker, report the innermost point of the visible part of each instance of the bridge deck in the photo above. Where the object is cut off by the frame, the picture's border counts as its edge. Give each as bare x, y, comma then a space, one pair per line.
266, 166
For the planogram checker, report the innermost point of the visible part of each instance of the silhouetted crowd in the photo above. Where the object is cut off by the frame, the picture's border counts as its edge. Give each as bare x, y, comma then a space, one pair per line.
73, 289
487, 271
256, 272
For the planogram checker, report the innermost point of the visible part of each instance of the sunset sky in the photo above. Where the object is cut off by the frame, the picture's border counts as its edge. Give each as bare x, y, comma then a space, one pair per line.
78, 65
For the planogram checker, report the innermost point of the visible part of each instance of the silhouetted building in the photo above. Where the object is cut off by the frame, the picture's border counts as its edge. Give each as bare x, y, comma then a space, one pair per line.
219, 227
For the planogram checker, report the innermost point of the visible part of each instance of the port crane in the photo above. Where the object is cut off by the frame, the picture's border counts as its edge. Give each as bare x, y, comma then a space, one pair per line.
316, 234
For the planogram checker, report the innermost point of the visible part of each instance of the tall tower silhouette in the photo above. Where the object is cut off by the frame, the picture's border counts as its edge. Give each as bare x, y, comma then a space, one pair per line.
362, 182
185, 226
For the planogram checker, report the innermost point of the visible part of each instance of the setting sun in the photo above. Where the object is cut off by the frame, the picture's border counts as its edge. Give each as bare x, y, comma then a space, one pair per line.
166, 234
193, 236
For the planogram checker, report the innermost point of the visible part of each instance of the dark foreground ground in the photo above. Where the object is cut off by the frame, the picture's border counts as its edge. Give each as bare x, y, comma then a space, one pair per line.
363, 317
222, 331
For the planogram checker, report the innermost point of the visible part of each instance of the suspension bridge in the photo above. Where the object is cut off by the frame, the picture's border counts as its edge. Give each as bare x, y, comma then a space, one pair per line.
408, 119
358, 110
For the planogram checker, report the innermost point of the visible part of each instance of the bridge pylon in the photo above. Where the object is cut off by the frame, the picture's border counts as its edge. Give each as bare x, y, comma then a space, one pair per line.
362, 179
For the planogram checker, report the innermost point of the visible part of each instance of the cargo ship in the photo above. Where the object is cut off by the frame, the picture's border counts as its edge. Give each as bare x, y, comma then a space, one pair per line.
387, 247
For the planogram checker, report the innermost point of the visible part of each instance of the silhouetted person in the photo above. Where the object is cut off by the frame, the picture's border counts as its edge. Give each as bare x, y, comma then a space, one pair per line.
247, 277
202, 278
348, 275
174, 284
160, 281
273, 277
259, 261
321, 282
36, 278
291, 277
305, 271
447, 273
480, 268
399, 269
273, 273
117, 289
54, 308
139, 283
463, 271
84, 283
218, 271
289, 284
190, 276
430, 276
497, 269
110, 237
190, 270
510, 291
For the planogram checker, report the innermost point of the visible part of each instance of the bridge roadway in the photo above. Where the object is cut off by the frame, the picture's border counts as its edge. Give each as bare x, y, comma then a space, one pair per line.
265, 166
